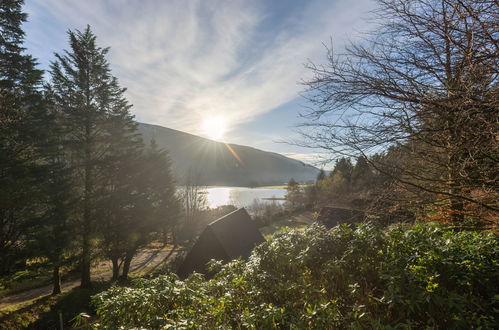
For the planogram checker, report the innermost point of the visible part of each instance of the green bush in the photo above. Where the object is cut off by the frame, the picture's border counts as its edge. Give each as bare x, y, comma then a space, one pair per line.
348, 277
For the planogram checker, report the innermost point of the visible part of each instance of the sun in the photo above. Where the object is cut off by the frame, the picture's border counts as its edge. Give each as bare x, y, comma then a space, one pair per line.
214, 128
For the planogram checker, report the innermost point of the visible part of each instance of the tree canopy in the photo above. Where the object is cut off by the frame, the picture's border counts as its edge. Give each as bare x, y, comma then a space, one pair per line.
422, 90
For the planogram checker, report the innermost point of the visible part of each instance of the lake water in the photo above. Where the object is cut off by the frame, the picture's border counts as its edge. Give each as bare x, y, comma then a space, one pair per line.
241, 196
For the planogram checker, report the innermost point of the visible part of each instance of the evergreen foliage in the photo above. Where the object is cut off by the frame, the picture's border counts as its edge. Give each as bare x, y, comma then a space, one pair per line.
85, 94
24, 123
114, 182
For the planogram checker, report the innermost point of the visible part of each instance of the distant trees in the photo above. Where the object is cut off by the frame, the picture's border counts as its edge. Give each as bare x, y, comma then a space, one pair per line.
422, 90
294, 194
357, 185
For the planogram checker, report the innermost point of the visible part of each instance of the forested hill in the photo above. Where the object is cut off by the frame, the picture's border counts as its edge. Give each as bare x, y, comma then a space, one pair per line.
218, 163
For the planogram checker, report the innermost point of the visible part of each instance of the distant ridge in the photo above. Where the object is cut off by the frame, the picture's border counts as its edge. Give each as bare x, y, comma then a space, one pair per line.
218, 163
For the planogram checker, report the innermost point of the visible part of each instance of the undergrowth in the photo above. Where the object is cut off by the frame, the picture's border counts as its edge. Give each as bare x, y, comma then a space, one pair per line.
364, 276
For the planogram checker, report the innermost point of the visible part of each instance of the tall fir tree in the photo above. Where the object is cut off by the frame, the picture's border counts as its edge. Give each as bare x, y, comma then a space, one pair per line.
23, 138
88, 98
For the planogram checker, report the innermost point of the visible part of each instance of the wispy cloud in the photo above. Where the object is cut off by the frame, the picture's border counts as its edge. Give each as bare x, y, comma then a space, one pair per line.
183, 61
320, 160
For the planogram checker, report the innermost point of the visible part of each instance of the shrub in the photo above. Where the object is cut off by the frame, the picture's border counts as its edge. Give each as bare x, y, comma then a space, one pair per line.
359, 276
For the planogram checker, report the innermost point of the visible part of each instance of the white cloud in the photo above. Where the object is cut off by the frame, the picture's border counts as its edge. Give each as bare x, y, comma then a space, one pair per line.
320, 160
183, 61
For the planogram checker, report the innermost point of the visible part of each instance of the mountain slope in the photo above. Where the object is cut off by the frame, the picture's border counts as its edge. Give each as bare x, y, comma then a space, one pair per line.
218, 163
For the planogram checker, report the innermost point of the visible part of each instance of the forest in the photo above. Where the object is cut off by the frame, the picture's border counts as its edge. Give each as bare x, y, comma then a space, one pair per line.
409, 118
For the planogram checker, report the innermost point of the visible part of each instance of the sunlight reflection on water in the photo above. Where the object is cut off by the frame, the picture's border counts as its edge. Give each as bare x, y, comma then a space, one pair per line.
240, 196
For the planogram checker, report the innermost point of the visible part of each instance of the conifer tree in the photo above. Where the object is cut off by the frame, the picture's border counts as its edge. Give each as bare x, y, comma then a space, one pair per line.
87, 98
155, 204
23, 118
119, 193
52, 237
321, 176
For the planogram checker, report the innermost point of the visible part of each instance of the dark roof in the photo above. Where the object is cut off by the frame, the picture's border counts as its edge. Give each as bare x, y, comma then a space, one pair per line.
232, 236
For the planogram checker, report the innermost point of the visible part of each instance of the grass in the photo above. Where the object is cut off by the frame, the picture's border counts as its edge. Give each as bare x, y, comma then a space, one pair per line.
43, 313
269, 230
25, 284
32, 277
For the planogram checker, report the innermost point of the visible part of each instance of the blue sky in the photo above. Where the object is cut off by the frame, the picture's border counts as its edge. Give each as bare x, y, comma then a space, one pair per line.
184, 61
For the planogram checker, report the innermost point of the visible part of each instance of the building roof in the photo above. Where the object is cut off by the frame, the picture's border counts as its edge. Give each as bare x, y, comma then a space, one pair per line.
232, 236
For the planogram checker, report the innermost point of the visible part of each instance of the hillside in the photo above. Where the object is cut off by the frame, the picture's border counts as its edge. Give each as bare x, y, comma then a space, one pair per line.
218, 163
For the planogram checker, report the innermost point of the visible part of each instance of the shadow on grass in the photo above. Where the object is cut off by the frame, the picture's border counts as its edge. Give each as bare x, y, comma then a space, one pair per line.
71, 304
269, 230
43, 313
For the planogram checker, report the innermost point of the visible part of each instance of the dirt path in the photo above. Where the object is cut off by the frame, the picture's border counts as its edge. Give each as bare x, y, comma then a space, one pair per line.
145, 259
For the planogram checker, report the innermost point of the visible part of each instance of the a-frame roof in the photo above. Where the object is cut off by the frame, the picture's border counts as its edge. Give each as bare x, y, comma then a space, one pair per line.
232, 236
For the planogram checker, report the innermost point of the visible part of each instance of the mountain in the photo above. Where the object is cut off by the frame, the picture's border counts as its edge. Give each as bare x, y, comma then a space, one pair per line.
222, 164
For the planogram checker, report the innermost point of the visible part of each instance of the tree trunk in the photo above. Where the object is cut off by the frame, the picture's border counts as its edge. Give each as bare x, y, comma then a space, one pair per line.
116, 268
85, 262
56, 280
85, 271
88, 187
126, 265
174, 236
456, 204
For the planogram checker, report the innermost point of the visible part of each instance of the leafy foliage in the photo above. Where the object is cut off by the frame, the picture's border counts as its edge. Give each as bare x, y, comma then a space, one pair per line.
359, 276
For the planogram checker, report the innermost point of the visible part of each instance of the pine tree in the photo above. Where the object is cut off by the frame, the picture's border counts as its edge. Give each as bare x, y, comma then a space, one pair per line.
87, 98
152, 207
362, 178
116, 207
53, 236
321, 176
155, 204
23, 117
344, 168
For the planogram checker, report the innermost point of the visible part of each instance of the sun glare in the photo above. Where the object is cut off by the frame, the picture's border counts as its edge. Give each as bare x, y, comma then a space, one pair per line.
214, 128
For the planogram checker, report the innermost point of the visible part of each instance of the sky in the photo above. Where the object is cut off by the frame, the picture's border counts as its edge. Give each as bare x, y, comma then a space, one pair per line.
208, 66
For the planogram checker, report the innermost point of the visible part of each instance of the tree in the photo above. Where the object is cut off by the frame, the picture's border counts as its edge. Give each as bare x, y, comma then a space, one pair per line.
118, 192
362, 176
88, 99
143, 201
344, 169
423, 89
52, 237
294, 195
23, 118
194, 201
158, 204
321, 175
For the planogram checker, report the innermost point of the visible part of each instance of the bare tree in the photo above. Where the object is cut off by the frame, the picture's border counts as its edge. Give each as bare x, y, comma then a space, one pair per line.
194, 200
422, 89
